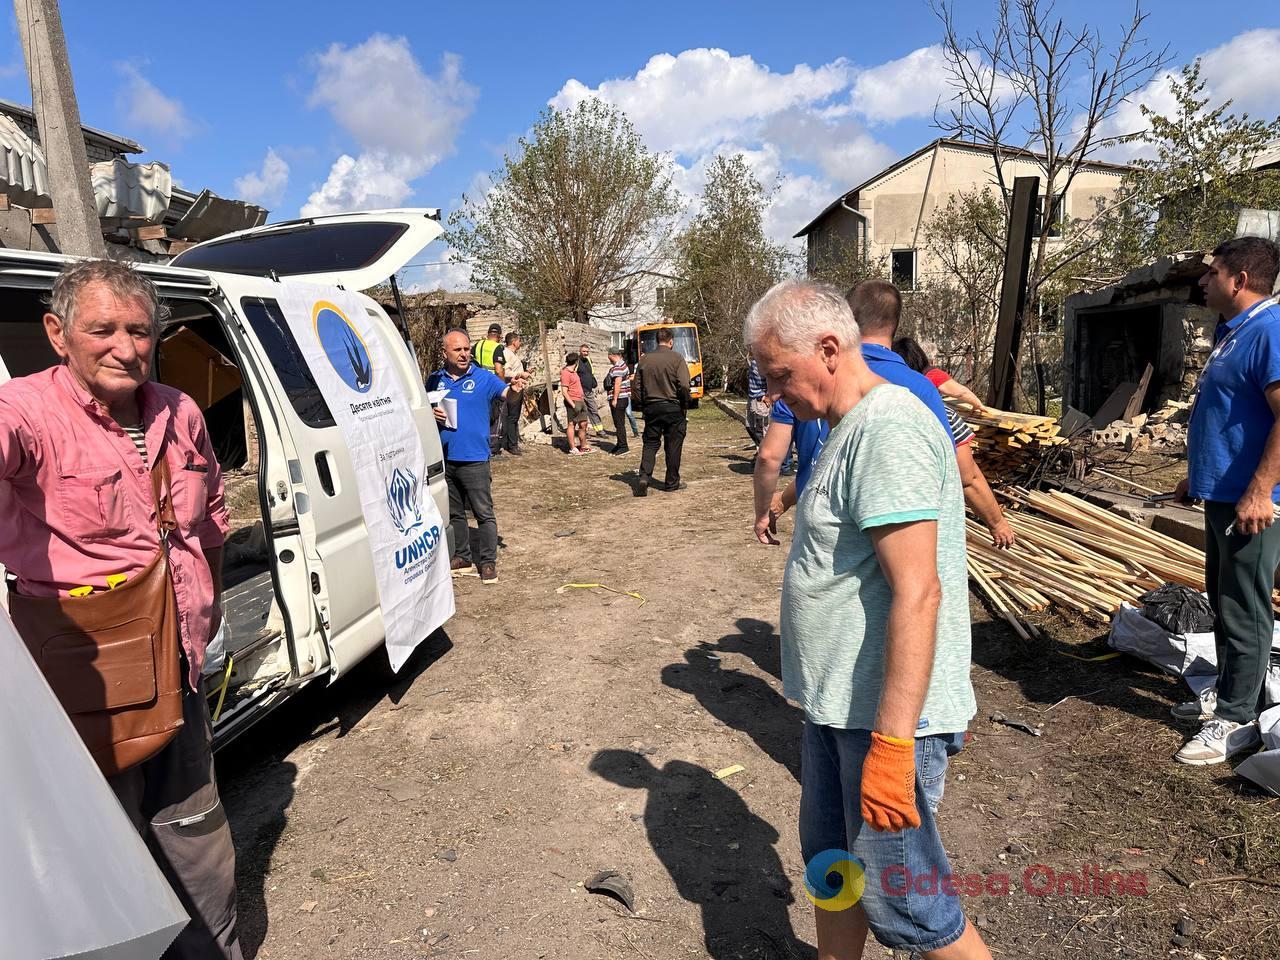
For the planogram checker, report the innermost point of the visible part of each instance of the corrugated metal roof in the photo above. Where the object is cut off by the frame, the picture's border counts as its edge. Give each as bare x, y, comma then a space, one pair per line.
23, 171
138, 192
210, 216
121, 144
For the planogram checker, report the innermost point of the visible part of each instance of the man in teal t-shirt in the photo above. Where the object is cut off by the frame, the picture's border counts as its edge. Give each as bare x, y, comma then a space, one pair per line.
875, 630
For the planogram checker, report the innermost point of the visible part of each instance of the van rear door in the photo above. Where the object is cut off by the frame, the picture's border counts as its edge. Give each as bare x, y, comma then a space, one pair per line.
355, 252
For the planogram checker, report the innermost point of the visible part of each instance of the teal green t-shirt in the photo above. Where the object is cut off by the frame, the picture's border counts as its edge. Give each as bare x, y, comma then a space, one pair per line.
887, 461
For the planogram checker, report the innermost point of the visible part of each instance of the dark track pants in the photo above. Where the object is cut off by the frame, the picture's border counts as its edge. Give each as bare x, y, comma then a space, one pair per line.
1239, 573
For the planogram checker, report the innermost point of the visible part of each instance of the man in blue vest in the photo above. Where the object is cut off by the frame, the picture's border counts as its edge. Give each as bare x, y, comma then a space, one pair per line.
466, 452
1233, 465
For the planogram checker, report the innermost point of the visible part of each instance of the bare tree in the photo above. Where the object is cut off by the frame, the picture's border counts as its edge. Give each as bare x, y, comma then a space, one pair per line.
579, 206
1038, 89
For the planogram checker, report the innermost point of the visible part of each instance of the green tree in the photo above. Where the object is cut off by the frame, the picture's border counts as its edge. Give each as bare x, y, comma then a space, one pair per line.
578, 205
1187, 194
726, 262
1033, 82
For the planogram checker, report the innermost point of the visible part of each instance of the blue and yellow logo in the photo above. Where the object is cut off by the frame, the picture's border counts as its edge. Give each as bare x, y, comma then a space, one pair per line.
834, 880
343, 345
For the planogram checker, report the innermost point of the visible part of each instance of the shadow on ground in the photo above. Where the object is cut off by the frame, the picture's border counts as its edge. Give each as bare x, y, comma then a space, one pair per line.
720, 855
257, 783
742, 700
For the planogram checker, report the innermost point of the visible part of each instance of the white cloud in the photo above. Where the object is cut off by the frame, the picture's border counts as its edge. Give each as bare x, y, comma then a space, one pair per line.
445, 275
403, 120
144, 109
1245, 70
265, 186
700, 103
689, 102
907, 87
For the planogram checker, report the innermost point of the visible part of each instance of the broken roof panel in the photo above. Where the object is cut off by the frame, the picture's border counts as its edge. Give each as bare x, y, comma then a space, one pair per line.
210, 216
24, 175
134, 192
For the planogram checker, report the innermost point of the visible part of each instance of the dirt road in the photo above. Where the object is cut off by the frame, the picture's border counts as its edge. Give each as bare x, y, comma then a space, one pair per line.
455, 810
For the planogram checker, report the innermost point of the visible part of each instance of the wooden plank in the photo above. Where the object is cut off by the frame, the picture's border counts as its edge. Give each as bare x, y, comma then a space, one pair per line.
43, 215
1134, 406
156, 232
1114, 406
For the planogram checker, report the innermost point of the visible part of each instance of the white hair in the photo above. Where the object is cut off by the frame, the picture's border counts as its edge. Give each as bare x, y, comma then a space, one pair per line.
797, 313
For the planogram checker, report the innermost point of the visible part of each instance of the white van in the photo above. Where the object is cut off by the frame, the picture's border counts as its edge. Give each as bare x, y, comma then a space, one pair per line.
300, 602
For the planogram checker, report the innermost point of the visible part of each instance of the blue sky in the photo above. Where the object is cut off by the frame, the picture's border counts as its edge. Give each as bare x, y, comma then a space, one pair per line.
321, 106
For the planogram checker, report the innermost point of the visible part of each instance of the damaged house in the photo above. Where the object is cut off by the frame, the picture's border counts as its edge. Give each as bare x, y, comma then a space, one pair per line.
144, 216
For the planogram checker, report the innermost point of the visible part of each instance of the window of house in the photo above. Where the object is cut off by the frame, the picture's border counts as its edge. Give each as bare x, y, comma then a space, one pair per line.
903, 266
665, 300
1059, 216
287, 360
622, 298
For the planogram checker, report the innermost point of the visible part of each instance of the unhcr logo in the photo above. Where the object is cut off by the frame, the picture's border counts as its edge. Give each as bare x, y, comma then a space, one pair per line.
402, 500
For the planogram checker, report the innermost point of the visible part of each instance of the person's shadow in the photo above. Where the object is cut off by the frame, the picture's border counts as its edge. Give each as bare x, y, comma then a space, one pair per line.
720, 856
742, 700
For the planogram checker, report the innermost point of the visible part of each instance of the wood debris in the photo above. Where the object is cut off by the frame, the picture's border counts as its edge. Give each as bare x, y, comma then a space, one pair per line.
1075, 556
1007, 443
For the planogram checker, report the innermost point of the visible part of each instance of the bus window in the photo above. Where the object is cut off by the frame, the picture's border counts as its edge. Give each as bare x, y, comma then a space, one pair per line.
687, 344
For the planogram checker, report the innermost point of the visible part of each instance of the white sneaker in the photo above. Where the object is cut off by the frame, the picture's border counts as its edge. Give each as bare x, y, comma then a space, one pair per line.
1201, 708
1217, 740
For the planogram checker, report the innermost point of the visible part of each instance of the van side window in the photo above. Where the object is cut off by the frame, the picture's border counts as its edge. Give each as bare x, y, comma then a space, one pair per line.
273, 332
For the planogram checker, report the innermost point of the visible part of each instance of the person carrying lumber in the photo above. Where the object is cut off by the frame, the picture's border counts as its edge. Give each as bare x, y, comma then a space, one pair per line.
877, 306
1233, 465
875, 632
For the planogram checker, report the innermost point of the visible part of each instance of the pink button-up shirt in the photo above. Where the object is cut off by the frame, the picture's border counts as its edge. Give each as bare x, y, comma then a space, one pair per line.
78, 498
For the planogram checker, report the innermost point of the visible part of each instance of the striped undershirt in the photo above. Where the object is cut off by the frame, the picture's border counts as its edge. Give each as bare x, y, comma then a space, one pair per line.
139, 437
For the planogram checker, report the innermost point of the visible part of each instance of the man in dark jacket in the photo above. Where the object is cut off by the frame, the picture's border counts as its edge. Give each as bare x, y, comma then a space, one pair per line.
587, 374
662, 392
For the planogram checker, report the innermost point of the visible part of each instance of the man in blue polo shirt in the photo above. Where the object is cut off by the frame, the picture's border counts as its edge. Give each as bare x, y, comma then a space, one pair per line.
1233, 465
466, 451
877, 305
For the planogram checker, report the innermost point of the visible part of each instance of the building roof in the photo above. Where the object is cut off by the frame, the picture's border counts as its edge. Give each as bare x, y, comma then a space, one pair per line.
1013, 152
117, 143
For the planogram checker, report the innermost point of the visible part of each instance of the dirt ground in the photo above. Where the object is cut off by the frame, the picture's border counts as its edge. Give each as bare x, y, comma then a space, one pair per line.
455, 810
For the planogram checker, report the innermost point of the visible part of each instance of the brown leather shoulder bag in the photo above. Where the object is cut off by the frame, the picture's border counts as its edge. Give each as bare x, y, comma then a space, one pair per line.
112, 657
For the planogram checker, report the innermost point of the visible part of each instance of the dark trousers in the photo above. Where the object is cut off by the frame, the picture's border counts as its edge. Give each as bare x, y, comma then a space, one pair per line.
510, 435
665, 423
620, 411
1239, 572
173, 801
470, 484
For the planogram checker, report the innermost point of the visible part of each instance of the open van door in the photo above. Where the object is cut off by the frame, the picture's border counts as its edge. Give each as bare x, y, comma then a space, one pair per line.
351, 250
256, 269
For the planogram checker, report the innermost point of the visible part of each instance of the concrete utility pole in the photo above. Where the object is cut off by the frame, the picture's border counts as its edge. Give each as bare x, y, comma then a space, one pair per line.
58, 117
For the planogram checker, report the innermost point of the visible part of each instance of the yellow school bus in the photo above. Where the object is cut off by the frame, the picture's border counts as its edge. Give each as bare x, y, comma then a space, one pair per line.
686, 344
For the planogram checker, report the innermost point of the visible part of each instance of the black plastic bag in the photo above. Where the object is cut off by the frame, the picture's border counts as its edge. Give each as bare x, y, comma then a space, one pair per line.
1178, 609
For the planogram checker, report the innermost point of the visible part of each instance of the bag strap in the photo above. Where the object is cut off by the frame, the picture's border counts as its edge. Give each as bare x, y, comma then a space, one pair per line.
162, 491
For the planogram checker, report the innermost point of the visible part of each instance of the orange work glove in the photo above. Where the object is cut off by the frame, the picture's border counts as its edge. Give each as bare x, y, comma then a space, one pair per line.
889, 784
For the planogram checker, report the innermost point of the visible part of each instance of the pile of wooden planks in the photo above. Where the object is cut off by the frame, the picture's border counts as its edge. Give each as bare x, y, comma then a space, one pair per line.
1074, 556
1006, 443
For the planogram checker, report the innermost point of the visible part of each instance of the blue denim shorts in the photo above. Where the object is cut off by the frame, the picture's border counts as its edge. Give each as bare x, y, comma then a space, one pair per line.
900, 913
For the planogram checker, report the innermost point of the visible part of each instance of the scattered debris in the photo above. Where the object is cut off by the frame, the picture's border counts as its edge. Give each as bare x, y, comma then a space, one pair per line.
309, 906
561, 534
613, 884
1000, 718
401, 790
1007, 443
729, 771
600, 586
449, 855
1163, 430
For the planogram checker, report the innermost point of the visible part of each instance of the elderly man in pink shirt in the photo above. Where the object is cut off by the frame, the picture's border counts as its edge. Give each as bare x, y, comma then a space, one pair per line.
77, 443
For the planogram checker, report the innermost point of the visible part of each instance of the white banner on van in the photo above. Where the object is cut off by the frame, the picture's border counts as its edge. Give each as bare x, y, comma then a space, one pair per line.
363, 385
